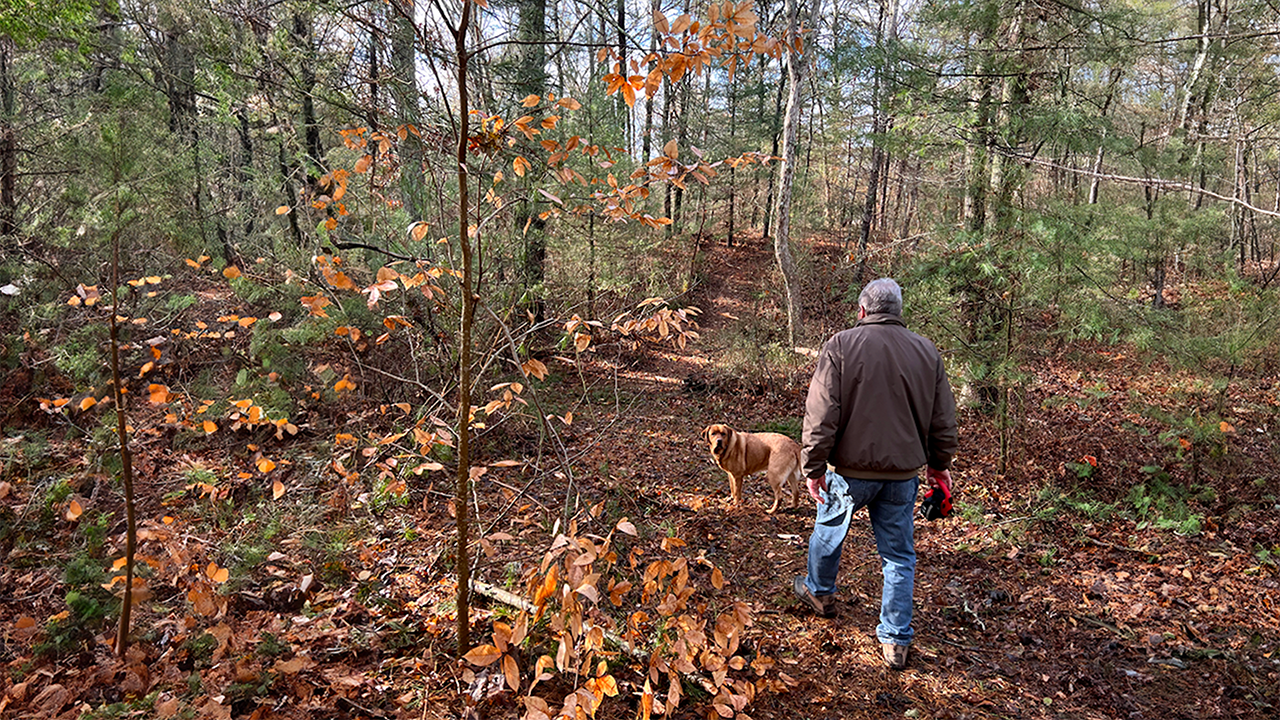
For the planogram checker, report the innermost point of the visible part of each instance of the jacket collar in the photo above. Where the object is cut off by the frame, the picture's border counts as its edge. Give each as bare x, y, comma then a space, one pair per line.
881, 319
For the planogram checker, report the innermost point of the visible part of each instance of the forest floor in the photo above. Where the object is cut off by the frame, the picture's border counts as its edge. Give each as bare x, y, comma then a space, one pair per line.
1124, 566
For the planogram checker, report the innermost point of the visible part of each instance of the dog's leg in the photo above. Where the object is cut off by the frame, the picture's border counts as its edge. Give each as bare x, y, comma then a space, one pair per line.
777, 495
735, 488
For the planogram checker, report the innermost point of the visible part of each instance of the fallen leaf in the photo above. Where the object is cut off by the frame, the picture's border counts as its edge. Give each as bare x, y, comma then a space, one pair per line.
483, 655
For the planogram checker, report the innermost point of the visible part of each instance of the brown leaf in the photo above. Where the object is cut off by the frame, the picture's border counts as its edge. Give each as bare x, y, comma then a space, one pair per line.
511, 672
294, 666
483, 655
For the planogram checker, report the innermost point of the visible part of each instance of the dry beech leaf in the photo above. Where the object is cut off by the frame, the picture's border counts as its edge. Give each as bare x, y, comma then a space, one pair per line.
627, 527
217, 574
74, 511
511, 672
483, 655
277, 489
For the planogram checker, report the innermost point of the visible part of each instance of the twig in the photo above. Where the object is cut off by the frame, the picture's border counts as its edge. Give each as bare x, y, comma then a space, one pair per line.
1113, 546
968, 648
509, 598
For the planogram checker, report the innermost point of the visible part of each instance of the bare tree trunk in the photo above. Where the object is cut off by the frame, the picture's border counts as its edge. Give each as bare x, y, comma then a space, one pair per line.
462, 497
1096, 181
8, 144
647, 140
797, 67
974, 207
1012, 97
302, 38
404, 91
879, 111
733, 149
531, 79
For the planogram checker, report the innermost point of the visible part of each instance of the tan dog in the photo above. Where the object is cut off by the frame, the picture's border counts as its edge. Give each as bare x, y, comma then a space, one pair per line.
741, 454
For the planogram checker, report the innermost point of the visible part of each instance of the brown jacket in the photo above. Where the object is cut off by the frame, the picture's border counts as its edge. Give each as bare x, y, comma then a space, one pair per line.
880, 406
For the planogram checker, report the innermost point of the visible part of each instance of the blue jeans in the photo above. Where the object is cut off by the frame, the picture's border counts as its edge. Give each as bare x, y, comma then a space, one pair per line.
892, 506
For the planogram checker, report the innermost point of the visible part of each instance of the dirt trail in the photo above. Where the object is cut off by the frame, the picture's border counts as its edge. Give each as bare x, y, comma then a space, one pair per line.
1020, 613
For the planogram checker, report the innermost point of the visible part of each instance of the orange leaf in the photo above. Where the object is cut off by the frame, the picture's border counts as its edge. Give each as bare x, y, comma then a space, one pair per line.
277, 489
1226, 427
362, 165
231, 272
534, 367
282, 210
531, 100
217, 574
608, 685
483, 655
671, 149
159, 393
717, 579
266, 465
511, 672
209, 427
1186, 444
418, 230
316, 304
87, 403
74, 511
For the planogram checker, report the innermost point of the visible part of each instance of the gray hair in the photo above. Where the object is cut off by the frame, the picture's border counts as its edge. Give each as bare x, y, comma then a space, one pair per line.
881, 296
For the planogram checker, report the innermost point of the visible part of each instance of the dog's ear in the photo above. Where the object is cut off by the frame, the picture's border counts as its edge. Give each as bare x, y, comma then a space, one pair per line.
706, 433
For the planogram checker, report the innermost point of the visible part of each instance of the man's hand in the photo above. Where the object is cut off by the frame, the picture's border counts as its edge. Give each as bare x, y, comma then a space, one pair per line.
816, 485
938, 477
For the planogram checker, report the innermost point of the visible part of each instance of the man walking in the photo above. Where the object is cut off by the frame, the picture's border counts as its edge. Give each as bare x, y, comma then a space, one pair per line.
879, 408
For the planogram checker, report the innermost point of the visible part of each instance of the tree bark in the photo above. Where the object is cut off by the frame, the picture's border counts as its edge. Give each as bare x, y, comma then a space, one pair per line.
797, 67
404, 91
531, 79
462, 498
879, 112
302, 38
8, 144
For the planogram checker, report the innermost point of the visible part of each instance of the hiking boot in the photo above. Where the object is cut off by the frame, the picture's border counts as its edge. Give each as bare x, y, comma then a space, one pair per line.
895, 656
825, 605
